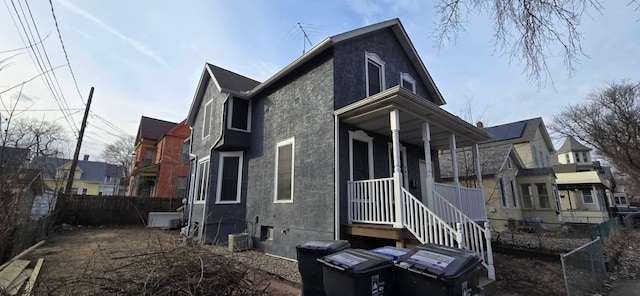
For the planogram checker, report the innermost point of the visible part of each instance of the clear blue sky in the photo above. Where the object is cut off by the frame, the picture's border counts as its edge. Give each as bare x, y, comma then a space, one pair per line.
145, 57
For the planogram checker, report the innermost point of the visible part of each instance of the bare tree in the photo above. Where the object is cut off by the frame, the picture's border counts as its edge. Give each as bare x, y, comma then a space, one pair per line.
526, 30
609, 122
43, 138
120, 152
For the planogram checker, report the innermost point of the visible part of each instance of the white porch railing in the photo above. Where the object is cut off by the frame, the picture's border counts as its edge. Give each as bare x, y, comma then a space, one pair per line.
371, 201
470, 200
425, 225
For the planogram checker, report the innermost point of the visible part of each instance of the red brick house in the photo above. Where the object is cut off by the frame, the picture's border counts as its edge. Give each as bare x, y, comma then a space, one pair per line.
160, 167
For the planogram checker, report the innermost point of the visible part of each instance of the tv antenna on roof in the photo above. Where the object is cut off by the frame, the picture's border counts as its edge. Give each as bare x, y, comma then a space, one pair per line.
307, 30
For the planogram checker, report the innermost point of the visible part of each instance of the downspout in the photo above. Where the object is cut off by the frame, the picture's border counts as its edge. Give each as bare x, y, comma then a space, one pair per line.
336, 142
193, 159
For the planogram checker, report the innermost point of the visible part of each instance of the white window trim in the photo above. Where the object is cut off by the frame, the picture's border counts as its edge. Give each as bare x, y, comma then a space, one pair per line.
219, 181
514, 191
593, 197
403, 158
504, 197
204, 120
292, 142
230, 116
206, 180
368, 56
408, 78
360, 136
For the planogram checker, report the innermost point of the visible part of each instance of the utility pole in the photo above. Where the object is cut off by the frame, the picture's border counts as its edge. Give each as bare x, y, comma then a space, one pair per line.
74, 162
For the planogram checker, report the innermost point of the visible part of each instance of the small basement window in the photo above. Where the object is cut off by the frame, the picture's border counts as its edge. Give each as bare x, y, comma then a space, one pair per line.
266, 233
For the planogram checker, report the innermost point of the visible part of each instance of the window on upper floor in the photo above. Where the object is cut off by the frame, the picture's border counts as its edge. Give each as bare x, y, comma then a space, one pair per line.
514, 193
374, 74
503, 193
541, 157
408, 82
284, 171
567, 158
149, 155
239, 114
578, 159
107, 179
585, 157
206, 122
184, 153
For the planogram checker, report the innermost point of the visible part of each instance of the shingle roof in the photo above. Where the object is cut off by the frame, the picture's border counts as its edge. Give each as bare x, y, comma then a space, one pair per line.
92, 171
571, 144
154, 129
491, 160
518, 132
230, 80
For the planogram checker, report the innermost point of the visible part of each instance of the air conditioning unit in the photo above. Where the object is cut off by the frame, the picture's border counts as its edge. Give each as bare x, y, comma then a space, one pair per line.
238, 242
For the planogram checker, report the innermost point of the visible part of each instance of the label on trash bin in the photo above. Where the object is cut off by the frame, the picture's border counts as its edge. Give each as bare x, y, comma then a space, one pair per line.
317, 244
346, 259
391, 251
431, 259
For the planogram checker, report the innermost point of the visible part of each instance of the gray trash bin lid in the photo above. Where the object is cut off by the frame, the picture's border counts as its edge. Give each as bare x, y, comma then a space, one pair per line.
439, 261
323, 246
357, 261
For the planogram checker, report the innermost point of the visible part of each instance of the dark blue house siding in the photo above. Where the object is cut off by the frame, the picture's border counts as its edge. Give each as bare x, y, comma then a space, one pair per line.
349, 65
301, 108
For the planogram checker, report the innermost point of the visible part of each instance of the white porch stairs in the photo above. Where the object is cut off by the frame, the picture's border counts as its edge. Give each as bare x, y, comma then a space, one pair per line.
442, 223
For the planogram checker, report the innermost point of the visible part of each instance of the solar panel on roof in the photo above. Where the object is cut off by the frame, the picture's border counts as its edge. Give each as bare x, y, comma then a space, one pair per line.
515, 130
507, 131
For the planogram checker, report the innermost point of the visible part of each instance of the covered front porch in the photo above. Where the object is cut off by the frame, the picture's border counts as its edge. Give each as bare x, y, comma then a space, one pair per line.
410, 197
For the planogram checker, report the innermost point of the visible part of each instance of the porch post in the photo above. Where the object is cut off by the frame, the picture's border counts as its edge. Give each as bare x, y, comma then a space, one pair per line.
476, 161
454, 166
426, 138
394, 117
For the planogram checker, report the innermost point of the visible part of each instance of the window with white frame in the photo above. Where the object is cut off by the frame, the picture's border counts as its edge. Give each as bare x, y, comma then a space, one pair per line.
408, 82
360, 156
587, 196
541, 157
514, 193
526, 196
543, 195
374, 74
567, 158
240, 114
229, 178
585, 157
284, 171
206, 122
202, 186
577, 155
503, 193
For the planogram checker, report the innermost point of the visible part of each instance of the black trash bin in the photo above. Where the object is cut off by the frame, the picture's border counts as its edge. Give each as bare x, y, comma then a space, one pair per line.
358, 272
309, 267
438, 270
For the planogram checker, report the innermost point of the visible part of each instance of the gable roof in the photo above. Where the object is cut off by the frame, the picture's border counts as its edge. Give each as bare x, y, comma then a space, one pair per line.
226, 81
153, 129
518, 132
571, 144
395, 25
492, 159
92, 171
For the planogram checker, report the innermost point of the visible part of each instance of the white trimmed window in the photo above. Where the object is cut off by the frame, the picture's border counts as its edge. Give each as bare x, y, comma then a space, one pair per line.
206, 122
587, 196
408, 82
202, 186
360, 156
514, 193
284, 171
229, 178
239, 111
503, 193
374, 74
543, 196
526, 196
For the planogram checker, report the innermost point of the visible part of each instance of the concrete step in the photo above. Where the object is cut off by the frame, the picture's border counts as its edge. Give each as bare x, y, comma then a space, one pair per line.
490, 286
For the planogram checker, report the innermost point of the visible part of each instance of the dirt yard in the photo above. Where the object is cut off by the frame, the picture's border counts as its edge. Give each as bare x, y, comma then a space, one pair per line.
88, 261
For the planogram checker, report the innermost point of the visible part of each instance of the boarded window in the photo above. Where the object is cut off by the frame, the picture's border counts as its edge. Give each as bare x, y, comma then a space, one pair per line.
284, 171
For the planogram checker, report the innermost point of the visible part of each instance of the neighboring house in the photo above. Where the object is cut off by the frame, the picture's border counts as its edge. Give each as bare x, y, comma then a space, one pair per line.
90, 178
161, 163
340, 144
582, 183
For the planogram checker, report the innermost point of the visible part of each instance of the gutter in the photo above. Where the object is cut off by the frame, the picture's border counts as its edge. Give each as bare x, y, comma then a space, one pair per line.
336, 205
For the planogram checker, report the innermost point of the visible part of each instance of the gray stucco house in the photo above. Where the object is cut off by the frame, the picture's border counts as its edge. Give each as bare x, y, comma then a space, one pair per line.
340, 144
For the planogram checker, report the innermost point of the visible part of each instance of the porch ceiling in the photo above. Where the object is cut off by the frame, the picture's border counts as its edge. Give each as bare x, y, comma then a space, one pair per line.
372, 114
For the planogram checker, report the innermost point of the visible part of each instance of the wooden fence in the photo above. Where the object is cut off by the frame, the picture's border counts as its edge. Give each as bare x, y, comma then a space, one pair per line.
89, 210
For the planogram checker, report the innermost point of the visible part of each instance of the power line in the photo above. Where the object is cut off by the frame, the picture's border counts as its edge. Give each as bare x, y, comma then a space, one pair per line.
66, 56
111, 125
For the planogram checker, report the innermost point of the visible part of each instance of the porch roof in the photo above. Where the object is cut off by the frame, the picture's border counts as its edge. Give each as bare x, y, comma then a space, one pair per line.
372, 114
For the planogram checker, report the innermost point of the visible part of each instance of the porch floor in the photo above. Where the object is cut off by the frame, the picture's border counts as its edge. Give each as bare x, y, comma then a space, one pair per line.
402, 236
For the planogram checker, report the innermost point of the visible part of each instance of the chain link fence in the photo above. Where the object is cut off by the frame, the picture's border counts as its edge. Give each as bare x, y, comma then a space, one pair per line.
606, 228
536, 235
584, 268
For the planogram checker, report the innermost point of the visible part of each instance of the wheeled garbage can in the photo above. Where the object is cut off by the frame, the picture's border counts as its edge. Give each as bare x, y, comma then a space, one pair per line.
309, 267
358, 272
431, 269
